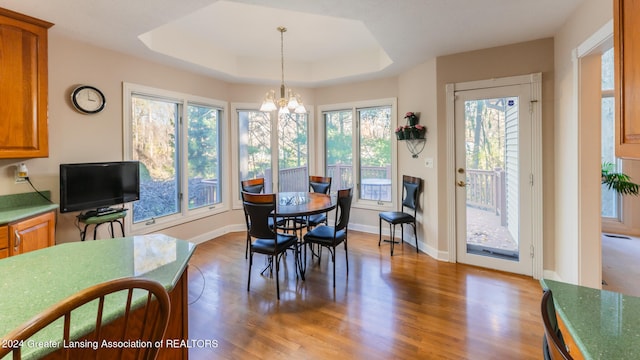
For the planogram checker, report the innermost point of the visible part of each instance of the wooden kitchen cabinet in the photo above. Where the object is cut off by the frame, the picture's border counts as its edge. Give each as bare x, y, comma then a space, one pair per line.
4, 242
626, 36
23, 86
32, 234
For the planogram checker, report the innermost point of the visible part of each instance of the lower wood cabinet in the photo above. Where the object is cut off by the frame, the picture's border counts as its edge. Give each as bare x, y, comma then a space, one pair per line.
29, 234
4, 242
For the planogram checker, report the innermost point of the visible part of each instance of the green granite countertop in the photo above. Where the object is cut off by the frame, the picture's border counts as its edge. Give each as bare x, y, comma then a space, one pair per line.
603, 324
33, 281
21, 206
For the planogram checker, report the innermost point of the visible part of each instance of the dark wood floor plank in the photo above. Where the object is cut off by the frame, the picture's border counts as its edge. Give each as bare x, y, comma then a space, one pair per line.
407, 306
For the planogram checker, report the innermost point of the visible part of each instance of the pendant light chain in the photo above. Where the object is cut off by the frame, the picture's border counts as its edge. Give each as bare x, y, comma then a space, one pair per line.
287, 102
282, 29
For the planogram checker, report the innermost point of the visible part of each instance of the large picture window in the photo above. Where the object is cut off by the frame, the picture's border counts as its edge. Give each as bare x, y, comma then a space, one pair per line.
282, 160
358, 150
176, 138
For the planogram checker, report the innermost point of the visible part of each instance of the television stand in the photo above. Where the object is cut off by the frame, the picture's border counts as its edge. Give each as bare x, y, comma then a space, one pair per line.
96, 219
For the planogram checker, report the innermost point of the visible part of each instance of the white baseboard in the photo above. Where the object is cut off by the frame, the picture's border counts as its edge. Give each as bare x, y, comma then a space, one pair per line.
551, 275
217, 233
423, 247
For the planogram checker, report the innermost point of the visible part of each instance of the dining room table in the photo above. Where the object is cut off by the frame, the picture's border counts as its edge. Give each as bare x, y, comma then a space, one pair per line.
300, 205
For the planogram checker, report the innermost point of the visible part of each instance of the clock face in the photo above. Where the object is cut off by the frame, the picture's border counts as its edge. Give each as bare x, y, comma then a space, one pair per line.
88, 99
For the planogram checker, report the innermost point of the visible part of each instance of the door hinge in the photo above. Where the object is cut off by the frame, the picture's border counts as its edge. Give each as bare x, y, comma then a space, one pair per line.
531, 179
531, 248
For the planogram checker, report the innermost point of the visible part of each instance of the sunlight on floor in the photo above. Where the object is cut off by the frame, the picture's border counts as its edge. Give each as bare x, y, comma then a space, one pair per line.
620, 264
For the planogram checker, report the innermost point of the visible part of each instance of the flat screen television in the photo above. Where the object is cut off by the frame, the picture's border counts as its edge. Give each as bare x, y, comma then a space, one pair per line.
98, 185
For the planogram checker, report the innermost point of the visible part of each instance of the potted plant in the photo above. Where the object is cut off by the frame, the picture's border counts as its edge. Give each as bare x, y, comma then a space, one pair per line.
400, 133
412, 118
619, 182
407, 132
418, 131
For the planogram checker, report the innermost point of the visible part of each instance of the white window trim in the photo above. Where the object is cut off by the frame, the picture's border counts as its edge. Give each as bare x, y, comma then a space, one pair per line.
185, 215
354, 106
235, 157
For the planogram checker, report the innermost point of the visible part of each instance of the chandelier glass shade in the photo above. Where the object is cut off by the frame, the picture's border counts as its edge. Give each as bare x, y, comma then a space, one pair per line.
288, 101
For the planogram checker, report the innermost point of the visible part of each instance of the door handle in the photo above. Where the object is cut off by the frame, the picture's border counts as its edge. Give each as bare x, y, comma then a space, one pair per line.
462, 183
16, 246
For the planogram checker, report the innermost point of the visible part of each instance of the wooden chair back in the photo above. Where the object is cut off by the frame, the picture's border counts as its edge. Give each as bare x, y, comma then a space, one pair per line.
259, 208
255, 186
554, 346
343, 207
148, 299
319, 184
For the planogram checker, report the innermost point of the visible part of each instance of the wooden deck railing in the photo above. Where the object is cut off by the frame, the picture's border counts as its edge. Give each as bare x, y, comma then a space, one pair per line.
486, 190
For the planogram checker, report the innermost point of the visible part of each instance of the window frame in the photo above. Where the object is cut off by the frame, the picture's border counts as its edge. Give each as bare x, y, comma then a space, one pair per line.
235, 143
184, 100
617, 162
354, 107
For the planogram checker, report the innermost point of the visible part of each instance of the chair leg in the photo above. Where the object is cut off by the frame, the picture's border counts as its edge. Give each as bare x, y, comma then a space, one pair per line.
246, 247
250, 264
346, 255
380, 231
392, 233
299, 264
415, 234
277, 276
402, 236
333, 259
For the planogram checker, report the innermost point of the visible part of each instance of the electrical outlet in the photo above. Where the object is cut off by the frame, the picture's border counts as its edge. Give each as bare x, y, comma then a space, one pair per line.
19, 179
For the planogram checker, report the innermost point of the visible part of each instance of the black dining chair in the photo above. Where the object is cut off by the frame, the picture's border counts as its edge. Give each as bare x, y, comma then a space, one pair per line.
331, 236
411, 187
553, 345
254, 186
265, 238
322, 185
319, 184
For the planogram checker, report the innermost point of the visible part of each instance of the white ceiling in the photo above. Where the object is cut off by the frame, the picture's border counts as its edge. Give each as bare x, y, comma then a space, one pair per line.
327, 42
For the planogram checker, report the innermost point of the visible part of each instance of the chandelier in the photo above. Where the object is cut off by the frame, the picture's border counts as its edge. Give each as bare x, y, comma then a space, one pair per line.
288, 101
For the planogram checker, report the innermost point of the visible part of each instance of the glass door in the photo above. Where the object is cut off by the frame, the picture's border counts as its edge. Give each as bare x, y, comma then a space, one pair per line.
493, 169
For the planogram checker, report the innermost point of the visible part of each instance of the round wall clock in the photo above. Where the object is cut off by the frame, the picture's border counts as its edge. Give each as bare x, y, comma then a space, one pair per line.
88, 99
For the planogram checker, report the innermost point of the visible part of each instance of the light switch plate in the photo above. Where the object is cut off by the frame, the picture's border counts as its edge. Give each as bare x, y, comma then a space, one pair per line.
428, 162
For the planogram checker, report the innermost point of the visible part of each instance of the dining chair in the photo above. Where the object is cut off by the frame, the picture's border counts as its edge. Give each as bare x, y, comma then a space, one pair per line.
318, 184
553, 345
254, 186
137, 295
265, 237
331, 236
411, 187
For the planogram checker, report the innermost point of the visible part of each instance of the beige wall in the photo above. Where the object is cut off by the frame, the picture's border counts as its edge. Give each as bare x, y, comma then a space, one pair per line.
568, 248
418, 93
75, 137
518, 59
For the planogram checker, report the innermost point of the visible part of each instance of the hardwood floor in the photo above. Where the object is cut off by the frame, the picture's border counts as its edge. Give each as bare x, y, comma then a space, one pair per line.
408, 306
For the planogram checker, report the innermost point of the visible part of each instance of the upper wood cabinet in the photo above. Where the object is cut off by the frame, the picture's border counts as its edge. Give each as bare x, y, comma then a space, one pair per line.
626, 36
23, 86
